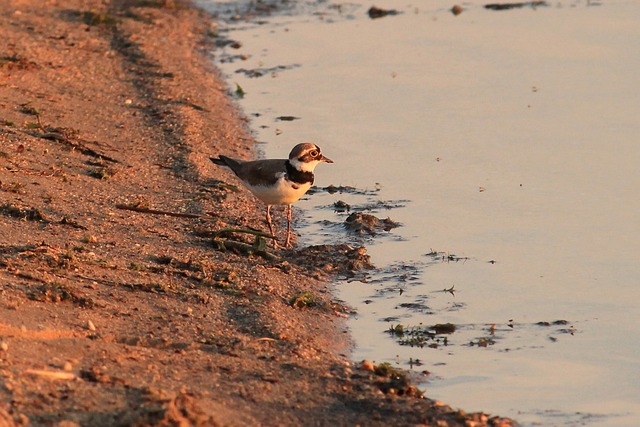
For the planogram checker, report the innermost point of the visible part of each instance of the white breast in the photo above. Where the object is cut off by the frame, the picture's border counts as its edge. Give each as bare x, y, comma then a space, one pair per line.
284, 192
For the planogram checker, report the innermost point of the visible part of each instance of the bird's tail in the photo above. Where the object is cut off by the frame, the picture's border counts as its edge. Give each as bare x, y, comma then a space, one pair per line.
219, 160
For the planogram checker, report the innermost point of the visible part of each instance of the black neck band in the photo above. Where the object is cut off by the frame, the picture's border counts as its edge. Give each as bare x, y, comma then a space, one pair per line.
297, 176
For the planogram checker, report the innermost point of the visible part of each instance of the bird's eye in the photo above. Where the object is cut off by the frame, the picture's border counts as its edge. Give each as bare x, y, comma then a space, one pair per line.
313, 153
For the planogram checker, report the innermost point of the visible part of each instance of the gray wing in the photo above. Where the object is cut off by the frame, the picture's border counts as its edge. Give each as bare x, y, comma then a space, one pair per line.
255, 172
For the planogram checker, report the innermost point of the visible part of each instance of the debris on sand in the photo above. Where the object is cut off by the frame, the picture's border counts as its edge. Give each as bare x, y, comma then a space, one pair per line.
515, 5
457, 9
376, 12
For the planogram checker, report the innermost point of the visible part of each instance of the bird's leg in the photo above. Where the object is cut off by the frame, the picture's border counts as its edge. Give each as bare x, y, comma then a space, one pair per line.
287, 242
275, 243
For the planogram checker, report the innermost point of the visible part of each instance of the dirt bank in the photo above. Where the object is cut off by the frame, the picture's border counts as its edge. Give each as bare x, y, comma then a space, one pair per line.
111, 314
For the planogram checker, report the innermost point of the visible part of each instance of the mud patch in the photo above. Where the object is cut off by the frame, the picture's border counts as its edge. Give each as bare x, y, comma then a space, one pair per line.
340, 260
355, 215
360, 223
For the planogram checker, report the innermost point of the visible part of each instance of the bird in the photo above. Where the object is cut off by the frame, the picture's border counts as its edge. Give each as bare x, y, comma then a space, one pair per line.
278, 181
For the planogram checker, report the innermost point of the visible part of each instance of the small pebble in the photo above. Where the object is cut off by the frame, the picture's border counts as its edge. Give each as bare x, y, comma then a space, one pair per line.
91, 326
457, 9
4, 346
367, 366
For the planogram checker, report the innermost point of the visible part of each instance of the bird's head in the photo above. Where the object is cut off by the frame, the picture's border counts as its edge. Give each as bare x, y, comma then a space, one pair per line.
306, 156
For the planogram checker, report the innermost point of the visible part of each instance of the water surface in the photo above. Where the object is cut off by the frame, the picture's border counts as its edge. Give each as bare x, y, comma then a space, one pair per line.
506, 144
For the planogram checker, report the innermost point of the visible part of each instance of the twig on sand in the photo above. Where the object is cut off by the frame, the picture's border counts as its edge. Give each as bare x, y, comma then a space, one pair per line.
258, 248
64, 136
242, 230
159, 212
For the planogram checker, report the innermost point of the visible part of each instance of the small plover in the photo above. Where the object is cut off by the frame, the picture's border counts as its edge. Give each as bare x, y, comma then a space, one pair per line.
278, 181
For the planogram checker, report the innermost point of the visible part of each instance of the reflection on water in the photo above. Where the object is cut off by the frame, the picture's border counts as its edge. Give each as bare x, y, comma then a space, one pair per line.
505, 144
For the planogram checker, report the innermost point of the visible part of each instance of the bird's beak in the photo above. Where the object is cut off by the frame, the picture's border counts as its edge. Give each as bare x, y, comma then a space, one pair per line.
326, 159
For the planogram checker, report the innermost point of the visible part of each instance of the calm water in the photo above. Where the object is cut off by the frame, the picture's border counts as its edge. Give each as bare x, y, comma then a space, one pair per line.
505, 142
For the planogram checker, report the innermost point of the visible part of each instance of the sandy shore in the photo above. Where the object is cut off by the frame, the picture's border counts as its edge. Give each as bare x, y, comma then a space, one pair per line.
111, 314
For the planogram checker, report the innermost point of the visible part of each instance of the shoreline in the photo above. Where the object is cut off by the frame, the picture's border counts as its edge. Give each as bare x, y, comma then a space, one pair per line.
118, 317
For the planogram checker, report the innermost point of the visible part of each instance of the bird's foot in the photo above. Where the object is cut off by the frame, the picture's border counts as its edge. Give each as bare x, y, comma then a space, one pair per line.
287, 243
